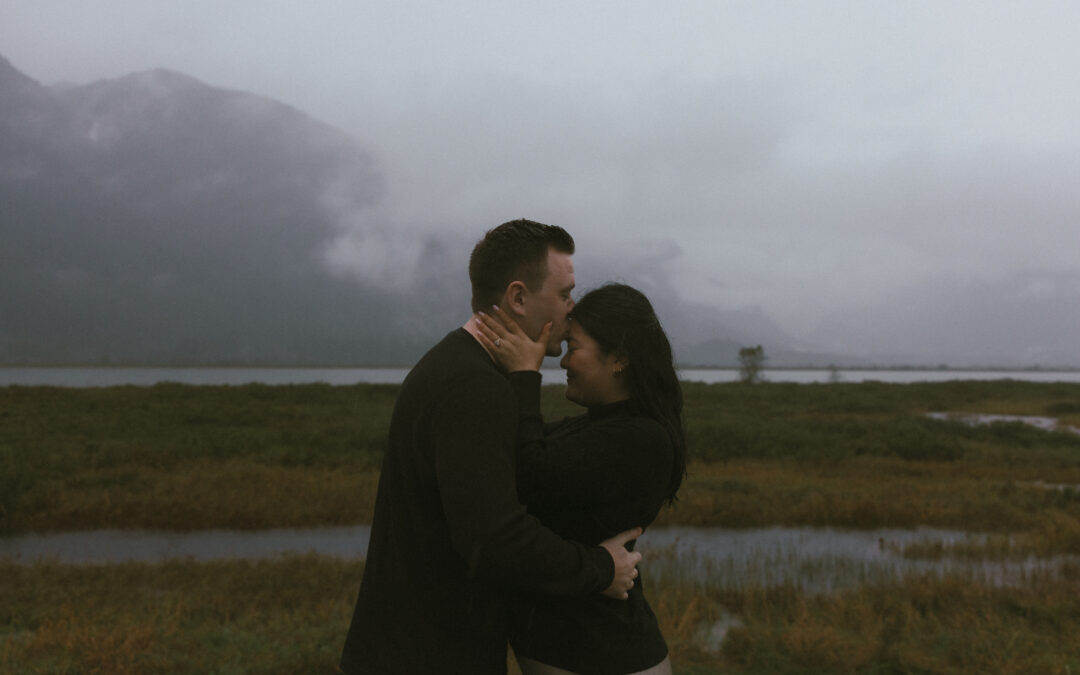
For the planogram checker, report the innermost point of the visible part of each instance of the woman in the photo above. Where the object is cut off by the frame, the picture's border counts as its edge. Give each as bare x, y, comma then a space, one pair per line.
595, 475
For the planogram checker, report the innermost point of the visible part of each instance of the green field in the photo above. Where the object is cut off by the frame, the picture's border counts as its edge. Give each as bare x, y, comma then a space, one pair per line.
290, 615
846, 455
854, 455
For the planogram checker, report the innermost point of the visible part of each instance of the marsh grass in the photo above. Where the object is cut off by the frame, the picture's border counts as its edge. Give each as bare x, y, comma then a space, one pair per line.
842, 455
873, 492
863, 455
181, 457
289, 615
281, 616
921, 625
1055, 534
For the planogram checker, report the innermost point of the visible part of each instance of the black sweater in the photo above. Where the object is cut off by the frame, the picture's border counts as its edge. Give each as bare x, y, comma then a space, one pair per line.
449, 537
589, 478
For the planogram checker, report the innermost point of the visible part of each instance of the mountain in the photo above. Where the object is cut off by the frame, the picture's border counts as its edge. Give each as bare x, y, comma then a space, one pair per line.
156, 219
1026, 319
153, 218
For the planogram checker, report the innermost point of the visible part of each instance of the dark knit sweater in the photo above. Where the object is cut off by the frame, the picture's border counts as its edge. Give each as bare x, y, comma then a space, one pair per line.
449, 538
589, 478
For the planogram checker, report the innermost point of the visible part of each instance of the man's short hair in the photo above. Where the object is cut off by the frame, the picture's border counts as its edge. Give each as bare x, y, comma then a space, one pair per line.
514, 251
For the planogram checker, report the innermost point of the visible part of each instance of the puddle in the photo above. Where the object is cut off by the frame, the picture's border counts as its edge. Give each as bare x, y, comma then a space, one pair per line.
1043, 485
824, 559
1044, 423
710, 636
111, 546
814, 559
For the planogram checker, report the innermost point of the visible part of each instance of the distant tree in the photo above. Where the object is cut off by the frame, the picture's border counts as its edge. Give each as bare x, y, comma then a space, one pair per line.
751, 363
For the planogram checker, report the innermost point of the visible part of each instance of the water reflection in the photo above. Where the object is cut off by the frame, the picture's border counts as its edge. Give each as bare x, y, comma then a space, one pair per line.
976, 419
825, 559
111, 546
815, 559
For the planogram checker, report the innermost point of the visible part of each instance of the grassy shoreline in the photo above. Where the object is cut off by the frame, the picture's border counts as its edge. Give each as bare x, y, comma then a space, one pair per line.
289, 615
177, 457
865, 455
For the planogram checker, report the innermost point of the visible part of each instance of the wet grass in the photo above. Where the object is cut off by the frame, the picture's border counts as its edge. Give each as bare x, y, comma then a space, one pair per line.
922, 625
843, 455
1055, 534
182, 457
289, 615
848, 455
869, 493
283, 616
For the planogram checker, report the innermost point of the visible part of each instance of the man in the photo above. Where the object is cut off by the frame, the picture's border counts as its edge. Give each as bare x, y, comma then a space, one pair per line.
449, 538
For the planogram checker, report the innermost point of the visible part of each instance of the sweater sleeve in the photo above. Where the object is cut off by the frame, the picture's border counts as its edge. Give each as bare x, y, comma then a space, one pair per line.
473, 428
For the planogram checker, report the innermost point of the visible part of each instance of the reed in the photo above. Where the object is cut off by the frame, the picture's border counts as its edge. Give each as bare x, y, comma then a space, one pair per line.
874, 492
290, 614
852, 455
1055, 534
849, 455
279, 616
923, 624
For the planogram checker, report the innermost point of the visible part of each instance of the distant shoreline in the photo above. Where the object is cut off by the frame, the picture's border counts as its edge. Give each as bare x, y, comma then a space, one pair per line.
236, 375
384, 366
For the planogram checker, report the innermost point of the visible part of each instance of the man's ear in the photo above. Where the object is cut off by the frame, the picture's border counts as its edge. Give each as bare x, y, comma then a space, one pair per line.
514, 298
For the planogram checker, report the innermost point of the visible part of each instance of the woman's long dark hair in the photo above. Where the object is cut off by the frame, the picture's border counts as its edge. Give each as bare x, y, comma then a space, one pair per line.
622, 321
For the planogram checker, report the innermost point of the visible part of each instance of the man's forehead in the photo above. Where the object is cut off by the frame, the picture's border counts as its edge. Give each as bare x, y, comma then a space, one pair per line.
560, 268
560, 260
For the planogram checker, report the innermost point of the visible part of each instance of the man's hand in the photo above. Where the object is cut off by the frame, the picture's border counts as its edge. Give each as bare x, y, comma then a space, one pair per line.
625, 564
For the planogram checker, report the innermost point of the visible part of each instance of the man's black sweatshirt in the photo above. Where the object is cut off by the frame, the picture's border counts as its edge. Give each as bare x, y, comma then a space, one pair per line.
449, 538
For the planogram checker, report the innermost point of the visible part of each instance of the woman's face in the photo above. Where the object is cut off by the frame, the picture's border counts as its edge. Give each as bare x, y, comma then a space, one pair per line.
590, 374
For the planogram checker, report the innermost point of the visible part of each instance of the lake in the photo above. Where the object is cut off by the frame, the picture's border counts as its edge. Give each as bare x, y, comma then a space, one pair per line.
815, 559
148, 376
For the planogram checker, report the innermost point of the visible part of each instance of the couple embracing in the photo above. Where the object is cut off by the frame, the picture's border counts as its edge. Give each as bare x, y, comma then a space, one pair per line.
491, 526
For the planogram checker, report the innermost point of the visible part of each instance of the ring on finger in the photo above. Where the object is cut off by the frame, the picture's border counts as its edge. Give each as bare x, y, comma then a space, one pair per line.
498, 341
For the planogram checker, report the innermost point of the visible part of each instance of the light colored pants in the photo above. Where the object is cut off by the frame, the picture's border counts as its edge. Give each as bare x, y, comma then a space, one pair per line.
530, 667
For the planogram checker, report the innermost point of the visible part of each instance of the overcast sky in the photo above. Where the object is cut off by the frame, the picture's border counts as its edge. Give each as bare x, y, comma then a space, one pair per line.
804, 158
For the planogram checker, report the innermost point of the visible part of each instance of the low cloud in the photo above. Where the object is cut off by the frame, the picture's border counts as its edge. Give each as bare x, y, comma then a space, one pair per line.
375, 254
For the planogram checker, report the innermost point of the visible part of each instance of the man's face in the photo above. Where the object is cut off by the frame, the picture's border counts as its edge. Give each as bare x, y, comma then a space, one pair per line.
552, 302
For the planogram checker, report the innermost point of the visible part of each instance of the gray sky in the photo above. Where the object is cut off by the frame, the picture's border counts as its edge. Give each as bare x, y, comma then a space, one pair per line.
806, 158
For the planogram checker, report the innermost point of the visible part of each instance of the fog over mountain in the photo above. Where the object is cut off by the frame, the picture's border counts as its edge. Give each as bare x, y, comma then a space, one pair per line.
1030, 320
152, 218
156, 219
